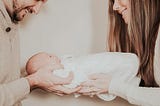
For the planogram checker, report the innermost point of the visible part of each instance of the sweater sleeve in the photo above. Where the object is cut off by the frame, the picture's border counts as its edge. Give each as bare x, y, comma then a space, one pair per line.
143, 96
13, 92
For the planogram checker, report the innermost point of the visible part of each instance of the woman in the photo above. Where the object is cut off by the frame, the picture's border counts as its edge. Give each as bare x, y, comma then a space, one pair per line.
134, 27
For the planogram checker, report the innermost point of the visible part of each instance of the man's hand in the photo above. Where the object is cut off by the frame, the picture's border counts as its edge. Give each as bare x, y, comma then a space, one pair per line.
45, 79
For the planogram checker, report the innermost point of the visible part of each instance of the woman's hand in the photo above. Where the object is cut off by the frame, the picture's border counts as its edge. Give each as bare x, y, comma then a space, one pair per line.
60, 90
97, 84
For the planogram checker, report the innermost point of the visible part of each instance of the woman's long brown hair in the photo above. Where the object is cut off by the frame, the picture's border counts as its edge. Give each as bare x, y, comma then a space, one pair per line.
138, 36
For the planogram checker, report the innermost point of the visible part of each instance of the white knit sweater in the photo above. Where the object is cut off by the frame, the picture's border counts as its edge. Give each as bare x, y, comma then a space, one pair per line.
143, 96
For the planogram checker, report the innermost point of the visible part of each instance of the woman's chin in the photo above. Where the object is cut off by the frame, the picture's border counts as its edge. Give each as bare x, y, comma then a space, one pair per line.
125, 20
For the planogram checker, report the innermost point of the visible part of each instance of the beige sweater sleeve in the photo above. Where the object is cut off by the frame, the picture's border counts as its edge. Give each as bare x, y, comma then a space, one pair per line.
142, 96
13, 92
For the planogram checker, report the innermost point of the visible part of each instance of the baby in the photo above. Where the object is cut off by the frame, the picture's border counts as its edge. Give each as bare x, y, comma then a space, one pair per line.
122, 65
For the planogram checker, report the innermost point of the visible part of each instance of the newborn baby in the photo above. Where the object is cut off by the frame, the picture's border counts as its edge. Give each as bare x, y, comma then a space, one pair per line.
122, 65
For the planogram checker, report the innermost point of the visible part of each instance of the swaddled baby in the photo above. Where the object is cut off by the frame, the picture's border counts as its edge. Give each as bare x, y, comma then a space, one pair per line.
122, 65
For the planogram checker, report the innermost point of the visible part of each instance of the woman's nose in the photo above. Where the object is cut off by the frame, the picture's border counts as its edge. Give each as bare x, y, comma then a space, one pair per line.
116, 5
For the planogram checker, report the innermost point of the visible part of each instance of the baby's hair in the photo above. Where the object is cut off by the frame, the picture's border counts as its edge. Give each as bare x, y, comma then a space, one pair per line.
29, 63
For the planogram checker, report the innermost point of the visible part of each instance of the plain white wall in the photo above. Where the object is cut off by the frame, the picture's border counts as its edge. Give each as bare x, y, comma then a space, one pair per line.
65, 27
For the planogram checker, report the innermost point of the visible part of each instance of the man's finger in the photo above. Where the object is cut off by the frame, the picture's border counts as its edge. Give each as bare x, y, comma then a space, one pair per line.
60, 80
88, 90
66, 90
52, 89
48, 90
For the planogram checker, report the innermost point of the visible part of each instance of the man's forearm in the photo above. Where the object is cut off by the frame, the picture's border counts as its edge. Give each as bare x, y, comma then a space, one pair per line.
14, 91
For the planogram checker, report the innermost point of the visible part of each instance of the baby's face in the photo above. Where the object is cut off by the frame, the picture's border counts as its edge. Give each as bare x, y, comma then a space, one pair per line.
43, 59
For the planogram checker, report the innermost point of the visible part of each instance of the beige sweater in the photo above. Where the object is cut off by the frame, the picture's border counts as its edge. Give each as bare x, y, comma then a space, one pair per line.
12, 88
143, 96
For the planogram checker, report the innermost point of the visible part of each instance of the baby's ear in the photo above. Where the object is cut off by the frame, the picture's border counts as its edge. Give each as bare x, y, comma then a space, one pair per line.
29, 69
28, 65
32, 69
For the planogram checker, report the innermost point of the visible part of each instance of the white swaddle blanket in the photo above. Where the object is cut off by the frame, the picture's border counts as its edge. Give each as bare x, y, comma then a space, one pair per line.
122, 65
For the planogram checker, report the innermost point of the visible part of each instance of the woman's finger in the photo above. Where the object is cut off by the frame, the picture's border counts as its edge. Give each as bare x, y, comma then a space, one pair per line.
91, 94
86, 90
101, 92
65, 90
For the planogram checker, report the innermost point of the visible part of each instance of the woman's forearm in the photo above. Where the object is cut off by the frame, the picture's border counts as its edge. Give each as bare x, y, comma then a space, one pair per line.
143, 96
